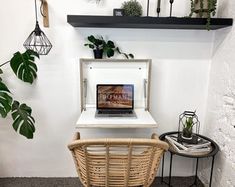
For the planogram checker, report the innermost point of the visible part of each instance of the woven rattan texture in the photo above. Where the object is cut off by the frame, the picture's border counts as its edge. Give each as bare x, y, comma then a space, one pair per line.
117, 162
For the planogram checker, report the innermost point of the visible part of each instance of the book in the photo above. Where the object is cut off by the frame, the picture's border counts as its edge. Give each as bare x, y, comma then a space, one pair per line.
203, 146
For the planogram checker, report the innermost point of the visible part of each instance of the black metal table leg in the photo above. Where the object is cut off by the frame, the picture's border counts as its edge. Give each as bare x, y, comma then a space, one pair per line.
212, 167
170, 170
195, 179
163, 157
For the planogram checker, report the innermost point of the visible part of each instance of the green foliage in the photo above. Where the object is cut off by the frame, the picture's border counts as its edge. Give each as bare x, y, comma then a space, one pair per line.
132, 8
210, 10
189, 123
5, 100
108, 47
95, 43
23, 121
23, 65
26, 70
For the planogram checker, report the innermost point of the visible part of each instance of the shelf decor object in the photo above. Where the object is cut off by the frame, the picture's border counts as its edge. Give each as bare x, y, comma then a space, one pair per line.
204, 9
147, 22
37, 40
171, 2
158, 7
189, 126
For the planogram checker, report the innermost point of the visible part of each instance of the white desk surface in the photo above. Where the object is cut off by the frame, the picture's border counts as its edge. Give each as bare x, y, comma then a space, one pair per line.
143, 120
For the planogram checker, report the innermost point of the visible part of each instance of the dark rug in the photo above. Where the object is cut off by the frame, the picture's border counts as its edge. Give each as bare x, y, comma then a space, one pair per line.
74, 182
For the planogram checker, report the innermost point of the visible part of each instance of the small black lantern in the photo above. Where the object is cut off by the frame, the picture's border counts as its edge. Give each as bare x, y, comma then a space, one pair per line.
189, 126
37, 40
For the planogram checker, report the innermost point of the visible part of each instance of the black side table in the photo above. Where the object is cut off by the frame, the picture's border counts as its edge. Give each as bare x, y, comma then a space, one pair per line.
215, 149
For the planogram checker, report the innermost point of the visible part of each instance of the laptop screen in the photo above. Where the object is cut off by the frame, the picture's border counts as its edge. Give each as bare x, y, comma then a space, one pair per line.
115, 96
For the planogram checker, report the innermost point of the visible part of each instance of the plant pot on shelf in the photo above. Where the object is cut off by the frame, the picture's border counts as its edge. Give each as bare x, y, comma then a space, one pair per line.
187, 133
98, 53
202, 9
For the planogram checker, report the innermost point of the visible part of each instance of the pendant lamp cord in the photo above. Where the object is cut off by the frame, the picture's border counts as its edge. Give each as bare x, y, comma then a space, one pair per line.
36, 13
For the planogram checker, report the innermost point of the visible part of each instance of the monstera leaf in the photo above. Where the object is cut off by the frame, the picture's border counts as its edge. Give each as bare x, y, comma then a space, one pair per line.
23, 65
5, 100
23, 121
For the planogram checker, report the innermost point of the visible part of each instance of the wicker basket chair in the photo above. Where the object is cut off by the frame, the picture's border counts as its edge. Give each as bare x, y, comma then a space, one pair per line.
117, 162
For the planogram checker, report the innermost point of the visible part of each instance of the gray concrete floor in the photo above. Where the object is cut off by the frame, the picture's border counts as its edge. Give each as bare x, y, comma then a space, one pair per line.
74, 182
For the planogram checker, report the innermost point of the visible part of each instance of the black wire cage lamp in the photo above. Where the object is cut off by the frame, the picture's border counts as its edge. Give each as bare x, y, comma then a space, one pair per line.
37, 40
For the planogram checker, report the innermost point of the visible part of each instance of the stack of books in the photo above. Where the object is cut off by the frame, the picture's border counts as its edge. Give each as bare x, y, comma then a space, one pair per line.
201, 148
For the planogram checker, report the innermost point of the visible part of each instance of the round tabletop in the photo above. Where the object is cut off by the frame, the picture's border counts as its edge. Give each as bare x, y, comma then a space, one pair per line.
214, 151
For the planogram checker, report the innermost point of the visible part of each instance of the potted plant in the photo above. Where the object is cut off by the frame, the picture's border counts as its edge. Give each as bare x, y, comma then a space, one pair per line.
188, 128
204, 9
132, 8
100, 47
97, 45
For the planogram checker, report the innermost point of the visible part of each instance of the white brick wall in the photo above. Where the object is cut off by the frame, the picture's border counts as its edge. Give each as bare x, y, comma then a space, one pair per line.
220, 116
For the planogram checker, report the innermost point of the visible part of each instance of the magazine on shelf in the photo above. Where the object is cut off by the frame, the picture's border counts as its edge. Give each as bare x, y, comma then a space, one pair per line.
202, 147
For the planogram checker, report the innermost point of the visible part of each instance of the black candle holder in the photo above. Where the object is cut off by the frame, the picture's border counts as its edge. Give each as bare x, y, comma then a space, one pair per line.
147, 8
171, 2
158, 11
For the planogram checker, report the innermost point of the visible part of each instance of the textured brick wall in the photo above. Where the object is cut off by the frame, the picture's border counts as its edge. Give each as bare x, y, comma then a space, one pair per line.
220, 116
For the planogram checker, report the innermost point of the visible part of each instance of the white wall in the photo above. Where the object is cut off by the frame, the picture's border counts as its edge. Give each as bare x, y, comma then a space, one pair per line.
181, 63
220, 115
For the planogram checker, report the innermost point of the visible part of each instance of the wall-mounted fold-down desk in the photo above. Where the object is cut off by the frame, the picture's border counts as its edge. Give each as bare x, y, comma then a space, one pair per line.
115, 71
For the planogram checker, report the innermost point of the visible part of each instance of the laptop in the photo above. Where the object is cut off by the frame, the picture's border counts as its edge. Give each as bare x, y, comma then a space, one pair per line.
115, 100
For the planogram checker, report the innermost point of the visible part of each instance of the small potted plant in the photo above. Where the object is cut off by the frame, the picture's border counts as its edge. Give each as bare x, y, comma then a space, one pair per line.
188, 128
132, 8
97, 45
204, 9
100, 47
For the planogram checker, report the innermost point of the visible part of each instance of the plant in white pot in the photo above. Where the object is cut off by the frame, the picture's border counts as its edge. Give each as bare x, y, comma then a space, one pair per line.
204, 9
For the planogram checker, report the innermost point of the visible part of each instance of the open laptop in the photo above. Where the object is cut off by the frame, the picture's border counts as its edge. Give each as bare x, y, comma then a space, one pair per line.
115, 100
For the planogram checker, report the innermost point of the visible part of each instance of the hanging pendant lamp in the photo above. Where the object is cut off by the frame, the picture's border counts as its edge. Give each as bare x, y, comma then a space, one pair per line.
37, 40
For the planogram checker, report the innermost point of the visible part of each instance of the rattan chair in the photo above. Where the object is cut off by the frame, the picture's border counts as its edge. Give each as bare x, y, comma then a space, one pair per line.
117, 162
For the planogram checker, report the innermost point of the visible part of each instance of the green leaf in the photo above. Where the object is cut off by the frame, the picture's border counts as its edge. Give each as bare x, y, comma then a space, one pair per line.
110, 52
125, 55
131, 55
110, 44
118, 50
5, 100
91, 39
24, 67
90, 46
23, 121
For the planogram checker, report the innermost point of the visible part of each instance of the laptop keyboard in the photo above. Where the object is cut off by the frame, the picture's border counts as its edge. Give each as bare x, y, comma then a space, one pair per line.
115, 112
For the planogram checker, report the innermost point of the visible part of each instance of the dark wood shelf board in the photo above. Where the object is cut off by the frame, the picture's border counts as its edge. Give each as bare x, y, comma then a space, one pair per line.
147, 22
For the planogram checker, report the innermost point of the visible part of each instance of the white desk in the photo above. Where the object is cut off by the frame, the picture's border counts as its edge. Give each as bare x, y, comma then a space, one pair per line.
143, 120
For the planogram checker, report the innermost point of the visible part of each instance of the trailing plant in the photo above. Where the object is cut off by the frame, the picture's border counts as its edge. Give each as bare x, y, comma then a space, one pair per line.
132, 8
209, 11
25, 69
108, 47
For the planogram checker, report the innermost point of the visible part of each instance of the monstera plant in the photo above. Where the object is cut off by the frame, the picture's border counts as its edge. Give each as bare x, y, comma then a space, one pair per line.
25, 69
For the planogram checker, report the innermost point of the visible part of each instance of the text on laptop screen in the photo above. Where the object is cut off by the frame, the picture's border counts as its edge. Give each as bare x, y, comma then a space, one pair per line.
115, 96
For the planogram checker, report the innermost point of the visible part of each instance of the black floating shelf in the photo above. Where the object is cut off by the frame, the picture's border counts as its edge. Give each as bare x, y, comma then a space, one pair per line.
147, 22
